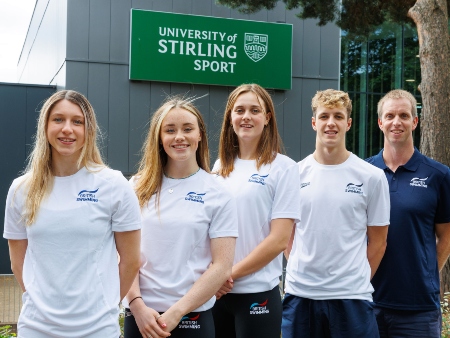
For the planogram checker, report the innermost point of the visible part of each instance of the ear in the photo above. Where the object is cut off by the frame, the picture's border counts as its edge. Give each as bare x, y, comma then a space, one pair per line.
380, 124
349, 123
268, 117
415, 123
313, 123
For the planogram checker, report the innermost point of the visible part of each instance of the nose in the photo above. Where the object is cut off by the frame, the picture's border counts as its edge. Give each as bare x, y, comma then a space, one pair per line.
179, 135
396, 120
247, 115
331, 121
67, 127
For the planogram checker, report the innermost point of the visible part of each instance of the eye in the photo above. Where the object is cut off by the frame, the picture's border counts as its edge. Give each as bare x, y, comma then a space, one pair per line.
239, 111
78, 122
256, 110
188, 129
170, 130
57, 119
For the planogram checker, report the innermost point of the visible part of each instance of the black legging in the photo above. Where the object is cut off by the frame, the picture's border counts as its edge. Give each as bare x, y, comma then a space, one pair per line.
244, 315
193, 325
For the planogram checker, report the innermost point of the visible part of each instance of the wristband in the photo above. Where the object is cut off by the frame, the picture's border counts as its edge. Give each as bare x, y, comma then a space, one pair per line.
134, 300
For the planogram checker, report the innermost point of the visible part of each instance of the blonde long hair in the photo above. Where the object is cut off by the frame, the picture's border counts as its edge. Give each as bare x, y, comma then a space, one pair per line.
39, 180
151, 167
270, 142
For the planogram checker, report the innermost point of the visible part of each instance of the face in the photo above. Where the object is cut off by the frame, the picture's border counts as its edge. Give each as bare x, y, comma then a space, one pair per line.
65, 131
331, 125
180, 135
248, 117
397, 122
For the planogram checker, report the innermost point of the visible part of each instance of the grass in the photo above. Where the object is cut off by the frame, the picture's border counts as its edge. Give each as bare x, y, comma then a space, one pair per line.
445, 307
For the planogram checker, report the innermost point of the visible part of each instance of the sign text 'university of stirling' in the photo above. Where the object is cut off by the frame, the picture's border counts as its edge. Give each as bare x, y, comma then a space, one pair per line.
198, 49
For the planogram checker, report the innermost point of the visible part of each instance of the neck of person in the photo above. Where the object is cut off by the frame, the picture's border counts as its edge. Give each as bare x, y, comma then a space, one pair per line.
396, 155
62, 166
181, 169
331, 155
248, 149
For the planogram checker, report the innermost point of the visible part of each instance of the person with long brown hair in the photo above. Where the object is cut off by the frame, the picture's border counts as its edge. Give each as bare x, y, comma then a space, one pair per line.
65, 221
188, 229
265, 185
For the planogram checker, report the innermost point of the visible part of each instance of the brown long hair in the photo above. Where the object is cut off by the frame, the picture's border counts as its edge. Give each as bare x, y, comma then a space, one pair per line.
270, 142
150, 173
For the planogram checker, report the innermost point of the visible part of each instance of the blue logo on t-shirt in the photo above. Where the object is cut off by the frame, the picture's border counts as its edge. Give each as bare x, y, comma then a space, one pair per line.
87, 196
354, 188
256, 178
194, 197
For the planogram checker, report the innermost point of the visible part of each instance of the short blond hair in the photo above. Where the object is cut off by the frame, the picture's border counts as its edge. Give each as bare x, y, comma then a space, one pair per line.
395, 95
331, 98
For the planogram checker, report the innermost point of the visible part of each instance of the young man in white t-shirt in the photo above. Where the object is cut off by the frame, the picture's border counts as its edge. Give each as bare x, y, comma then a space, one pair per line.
340, 240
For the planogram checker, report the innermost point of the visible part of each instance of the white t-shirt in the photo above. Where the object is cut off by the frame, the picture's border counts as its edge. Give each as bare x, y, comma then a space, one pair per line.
175, 245
70, 270
261, 196
329, 255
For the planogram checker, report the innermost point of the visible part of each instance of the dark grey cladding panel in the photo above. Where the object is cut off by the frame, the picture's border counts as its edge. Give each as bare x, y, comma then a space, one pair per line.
278, 14
158, 93
78, 29
217, 100
311, 48
120, 31
139, 120
119, 117
163, 5
220, 11
182, 6
99, 29
308, 136
98, 96
142, 4
77, 76
278, 98
329, 84
202, 7
292, 119
21, 105
329, 51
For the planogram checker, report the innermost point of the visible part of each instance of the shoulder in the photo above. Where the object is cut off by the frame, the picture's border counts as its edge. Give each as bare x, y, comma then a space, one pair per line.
435, 165
107, 176
283, 160
359, 164
212, 185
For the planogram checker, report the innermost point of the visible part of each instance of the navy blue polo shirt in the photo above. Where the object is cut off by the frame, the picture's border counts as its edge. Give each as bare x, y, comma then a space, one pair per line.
408, 276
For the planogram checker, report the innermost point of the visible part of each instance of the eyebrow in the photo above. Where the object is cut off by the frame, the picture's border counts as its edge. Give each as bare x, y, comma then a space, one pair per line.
61, 114
173, 124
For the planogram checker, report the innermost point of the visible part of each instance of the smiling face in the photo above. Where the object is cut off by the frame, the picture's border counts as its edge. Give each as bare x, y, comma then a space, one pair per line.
331, 125
180, 134
66, 131
249, 117
397, 122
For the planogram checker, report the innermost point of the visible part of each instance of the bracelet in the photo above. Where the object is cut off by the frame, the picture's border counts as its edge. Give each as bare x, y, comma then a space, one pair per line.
129, 303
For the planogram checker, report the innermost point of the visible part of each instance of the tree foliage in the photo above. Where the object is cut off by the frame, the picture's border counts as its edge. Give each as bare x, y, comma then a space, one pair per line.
357, 17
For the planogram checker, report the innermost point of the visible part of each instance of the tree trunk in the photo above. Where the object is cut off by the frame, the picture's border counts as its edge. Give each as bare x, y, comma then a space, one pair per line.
431, 19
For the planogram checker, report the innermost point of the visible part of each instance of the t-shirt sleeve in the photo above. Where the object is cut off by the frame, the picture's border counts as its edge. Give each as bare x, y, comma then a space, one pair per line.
126, 214
224, 221
14, 222
379, 204
443, 210
286, 202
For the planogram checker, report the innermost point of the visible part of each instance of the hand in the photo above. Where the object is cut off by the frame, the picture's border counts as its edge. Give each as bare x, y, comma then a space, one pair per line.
146, 321
225, 288
171, 318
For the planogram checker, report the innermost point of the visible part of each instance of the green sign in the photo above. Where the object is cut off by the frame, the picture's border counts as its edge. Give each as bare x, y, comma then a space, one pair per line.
198, 49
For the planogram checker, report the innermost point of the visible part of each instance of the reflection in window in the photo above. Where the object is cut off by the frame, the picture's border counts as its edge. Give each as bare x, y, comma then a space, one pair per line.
370, 68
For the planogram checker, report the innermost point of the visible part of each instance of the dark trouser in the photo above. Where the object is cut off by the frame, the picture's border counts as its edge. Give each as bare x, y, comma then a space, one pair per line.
192, 325
247, 315
337, 318
405, 323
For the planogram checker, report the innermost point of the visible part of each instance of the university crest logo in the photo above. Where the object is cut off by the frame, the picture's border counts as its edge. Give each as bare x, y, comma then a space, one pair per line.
256, 45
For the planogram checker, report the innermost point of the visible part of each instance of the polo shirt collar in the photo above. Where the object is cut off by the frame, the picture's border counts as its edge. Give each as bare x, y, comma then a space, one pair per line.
411, 165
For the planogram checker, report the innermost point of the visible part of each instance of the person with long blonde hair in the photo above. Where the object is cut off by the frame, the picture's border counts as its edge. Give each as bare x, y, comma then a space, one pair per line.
66, 219
188, 229
265, 185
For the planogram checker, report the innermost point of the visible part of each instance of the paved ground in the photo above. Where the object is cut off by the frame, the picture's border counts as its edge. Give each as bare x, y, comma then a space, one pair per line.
10, 300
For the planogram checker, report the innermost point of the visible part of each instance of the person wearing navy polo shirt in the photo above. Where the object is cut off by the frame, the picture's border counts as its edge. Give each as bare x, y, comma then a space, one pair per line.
341, 237
406, 284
